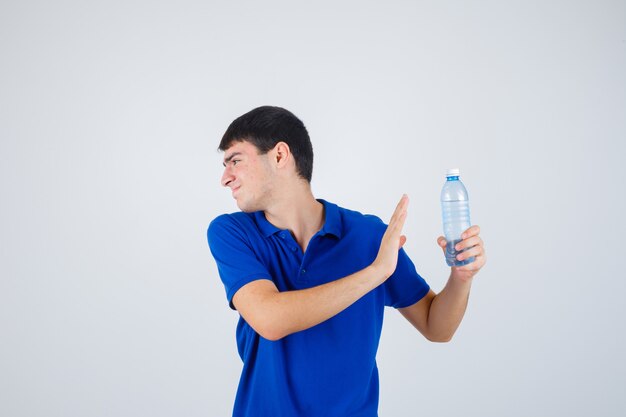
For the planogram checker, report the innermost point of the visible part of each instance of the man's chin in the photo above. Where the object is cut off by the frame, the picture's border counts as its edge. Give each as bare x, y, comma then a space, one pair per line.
246, 208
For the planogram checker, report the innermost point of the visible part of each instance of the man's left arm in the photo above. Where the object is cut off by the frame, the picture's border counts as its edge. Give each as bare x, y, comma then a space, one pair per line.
437, 316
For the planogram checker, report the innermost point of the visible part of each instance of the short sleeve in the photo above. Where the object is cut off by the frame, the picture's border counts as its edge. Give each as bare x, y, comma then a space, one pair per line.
236, 260
405, 287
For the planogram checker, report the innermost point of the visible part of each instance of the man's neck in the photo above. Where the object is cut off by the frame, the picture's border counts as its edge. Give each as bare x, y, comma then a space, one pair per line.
299, 212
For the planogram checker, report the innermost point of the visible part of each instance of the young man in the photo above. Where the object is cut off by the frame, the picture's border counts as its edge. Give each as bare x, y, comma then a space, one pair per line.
310, 280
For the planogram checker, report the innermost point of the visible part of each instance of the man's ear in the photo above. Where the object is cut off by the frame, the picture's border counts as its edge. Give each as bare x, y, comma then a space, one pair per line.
282, 153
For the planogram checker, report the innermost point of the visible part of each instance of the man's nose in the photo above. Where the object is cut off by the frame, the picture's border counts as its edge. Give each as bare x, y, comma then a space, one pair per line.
227, 177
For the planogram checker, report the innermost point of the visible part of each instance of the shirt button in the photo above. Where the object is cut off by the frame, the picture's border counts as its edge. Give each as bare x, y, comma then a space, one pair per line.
304, 271
293, 248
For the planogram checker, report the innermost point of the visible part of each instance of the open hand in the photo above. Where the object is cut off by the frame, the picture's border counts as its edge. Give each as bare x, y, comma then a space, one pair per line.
392, 240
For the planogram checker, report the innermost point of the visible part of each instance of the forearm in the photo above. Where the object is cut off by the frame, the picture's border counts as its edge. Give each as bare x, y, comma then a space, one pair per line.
448, 308
279, 314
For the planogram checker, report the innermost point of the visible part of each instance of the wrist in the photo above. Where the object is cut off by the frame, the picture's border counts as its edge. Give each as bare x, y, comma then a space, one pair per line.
376, 273
461, 277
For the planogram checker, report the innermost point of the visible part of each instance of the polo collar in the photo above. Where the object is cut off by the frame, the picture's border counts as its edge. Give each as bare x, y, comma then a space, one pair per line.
266, 227
332, 221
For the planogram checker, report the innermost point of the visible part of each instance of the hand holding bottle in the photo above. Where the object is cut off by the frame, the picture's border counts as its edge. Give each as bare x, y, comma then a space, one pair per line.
470, 246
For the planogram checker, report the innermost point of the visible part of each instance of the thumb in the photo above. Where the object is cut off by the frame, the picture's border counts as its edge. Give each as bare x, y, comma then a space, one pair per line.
402, 241
441, 241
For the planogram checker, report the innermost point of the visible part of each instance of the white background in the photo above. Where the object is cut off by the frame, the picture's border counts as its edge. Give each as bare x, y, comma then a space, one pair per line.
110, 116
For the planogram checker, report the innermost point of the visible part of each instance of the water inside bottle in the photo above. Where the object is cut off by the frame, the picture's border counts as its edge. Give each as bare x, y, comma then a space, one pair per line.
451, 254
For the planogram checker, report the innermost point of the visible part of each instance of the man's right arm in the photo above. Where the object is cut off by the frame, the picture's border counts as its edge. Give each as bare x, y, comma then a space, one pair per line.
274, 314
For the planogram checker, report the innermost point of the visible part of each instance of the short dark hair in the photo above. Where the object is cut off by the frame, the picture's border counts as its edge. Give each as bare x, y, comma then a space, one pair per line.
264, 127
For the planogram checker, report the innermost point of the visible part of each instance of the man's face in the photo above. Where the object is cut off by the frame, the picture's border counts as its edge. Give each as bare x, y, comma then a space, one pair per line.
248, 175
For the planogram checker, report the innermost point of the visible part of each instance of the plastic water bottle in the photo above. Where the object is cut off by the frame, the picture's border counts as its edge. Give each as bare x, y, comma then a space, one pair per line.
456, 215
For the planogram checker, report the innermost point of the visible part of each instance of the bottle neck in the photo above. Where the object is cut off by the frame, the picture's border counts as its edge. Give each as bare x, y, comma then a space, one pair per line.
456, 178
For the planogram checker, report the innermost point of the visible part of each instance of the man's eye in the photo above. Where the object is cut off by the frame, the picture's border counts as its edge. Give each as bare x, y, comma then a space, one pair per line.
234, 161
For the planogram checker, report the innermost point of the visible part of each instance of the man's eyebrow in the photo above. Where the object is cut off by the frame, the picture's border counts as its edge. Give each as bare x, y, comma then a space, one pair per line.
227, 160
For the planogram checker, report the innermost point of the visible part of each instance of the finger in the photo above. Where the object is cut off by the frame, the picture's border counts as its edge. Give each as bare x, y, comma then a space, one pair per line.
404, 200
468, 268
472, 231
441, 241
396, 227
402, 204
400, 209
392, 235
475, 252
399, 214
468, 243
402, 241
474, 266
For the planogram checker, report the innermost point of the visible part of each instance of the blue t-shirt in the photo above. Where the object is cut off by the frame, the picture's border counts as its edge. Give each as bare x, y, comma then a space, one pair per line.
330, 369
